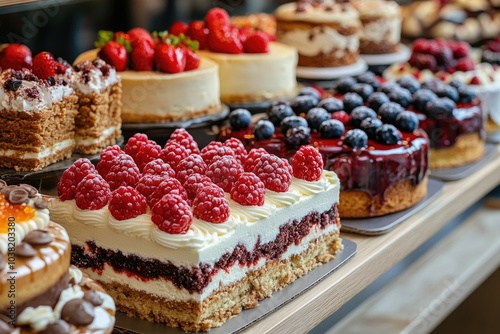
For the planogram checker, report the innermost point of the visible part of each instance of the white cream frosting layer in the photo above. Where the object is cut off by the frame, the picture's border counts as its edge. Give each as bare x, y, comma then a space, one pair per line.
39, 221
204, 242
46, 152
264, 76
95, 81
346, 16
92, 141
376, 8
386, 29
320, 40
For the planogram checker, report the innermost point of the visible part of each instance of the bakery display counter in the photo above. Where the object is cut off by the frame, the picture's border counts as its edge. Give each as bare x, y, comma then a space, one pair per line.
378, 254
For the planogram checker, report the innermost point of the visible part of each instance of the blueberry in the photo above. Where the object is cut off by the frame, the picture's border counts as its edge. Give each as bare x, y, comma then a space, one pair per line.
388, 134
370, 126
421, 97
440, 108
316, 116
409, 82
368, 78
240, 119
292, 122
344, 85
356, 138
402, 96
377, 99
263, 129
278, 111
432, 84
362, 89
351, 101
447, 91
466, 95
360, 113
301, 104
388, 111
298, 136
407, 121
455, 83
331, 128
331, 104
388, 87
309, 91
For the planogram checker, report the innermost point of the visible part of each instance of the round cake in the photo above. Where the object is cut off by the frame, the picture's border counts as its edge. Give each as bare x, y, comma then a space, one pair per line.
382, 169
151, 96
251, 77
325, 33
40, 290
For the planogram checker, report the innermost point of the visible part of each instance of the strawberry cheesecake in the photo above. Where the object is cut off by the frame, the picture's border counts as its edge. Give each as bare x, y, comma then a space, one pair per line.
40, 291
165, 81
190, 238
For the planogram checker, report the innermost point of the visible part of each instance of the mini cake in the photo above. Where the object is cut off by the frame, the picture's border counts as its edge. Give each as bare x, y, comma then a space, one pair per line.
490, 54
251, 69
325, 33
381, 26
382, 169
468, 21
197, 236
40, 291
37, 118
158, 87
98, 122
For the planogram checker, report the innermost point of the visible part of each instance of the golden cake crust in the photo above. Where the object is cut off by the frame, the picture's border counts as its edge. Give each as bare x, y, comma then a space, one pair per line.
468, 148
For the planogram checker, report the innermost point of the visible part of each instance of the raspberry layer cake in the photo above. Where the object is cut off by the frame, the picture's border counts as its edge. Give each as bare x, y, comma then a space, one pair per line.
197, 236
325, 33
381, 26
382, 168
40, 291
37, 119
251, 68
98, 122
163, 79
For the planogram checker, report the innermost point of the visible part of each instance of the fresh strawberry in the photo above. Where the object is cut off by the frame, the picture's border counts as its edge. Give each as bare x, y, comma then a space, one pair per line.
120, 36
217, 17
136, 34
192, 59
178, 27
61, 66
169, 58
225, 40
15, 56
199, 32
244, 33
44, 65
114, 54
142, 55
258, 42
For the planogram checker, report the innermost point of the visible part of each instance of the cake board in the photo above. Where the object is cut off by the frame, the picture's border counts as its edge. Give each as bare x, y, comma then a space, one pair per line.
380, 225
130, 325
457, 173
328, 73
401, 56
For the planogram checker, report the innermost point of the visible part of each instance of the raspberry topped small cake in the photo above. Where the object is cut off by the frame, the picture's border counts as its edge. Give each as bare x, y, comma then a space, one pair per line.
191, 238
373, 144
325, 33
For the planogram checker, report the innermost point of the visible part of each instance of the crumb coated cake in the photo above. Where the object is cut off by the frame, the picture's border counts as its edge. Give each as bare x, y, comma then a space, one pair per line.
98, 122
381, 26
194, 237
37, 118
375, 146
40, 291
325, 33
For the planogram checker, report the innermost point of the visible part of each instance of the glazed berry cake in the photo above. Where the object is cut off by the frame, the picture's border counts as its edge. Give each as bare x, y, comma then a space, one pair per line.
163, 79
41, 292
373, 144
191, 238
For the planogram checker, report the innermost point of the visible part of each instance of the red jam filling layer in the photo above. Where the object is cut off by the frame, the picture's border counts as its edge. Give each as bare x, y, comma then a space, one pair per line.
196, 279
371, 169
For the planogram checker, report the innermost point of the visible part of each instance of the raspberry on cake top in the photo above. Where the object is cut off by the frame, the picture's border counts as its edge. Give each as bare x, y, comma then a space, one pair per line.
211, 222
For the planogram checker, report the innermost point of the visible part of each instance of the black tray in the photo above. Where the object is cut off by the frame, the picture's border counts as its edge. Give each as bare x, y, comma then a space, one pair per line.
383, 224
125, 324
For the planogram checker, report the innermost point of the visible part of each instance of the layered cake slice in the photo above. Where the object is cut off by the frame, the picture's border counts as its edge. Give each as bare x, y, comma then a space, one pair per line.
37, 118
40, 291
192, 238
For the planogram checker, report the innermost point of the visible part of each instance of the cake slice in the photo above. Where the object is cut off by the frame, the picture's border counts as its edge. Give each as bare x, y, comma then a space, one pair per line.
197, 237
37, 118
99, 90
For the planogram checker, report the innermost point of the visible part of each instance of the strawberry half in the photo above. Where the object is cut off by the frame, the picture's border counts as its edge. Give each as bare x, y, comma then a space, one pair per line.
199, 32
15, 56
44, 65
169, 58
142, 55
114, 54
